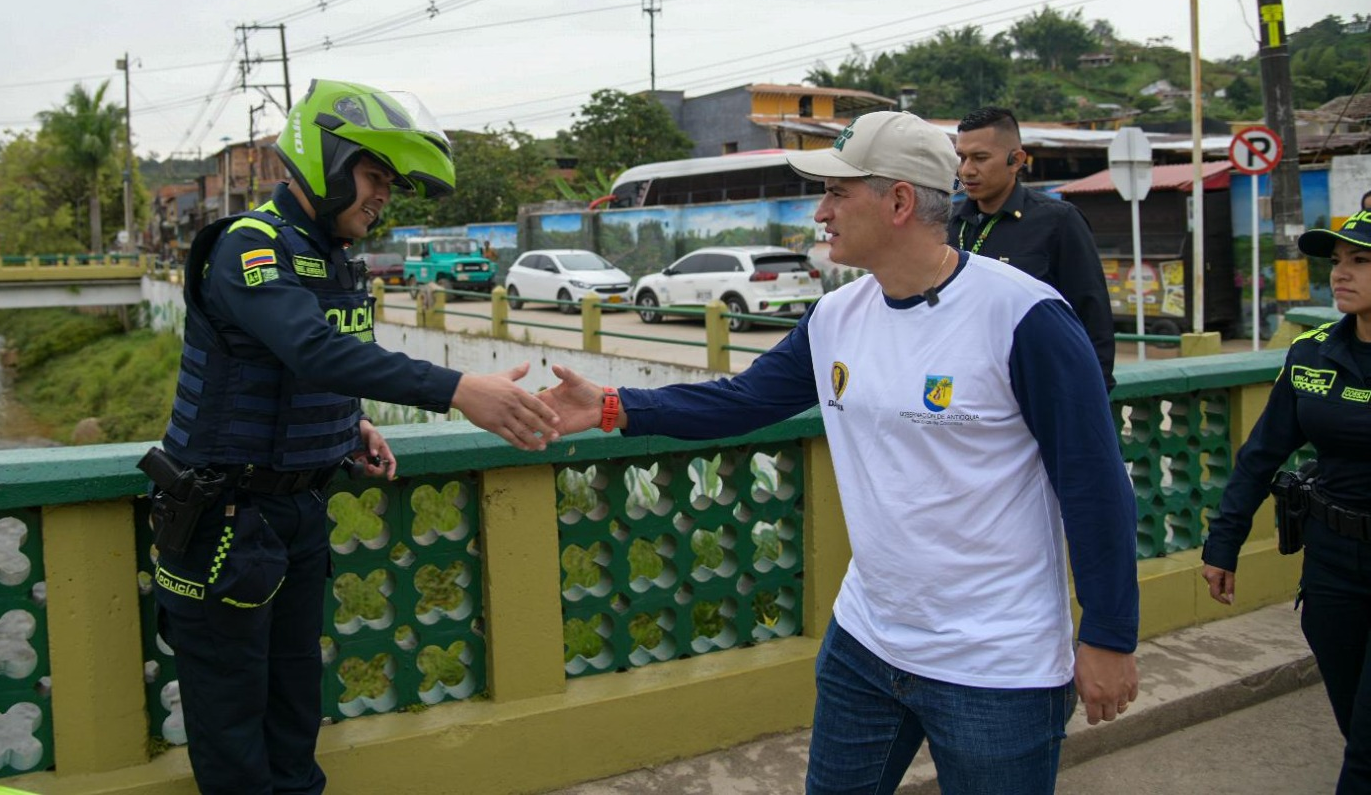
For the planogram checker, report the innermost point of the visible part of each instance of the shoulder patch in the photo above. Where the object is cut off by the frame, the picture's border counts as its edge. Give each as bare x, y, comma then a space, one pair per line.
1317, 334
311, 267
258, 258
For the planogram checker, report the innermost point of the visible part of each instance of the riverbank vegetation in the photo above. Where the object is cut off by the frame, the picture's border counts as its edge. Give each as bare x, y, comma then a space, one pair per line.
71, 365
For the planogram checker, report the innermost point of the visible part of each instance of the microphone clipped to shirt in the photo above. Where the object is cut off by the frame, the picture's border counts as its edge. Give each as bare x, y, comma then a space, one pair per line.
931, 296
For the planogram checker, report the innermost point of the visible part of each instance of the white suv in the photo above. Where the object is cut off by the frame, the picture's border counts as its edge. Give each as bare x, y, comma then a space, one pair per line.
751, 280
564, 275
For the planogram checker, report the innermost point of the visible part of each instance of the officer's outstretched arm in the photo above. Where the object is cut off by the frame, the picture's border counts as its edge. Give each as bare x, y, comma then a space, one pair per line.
497, 404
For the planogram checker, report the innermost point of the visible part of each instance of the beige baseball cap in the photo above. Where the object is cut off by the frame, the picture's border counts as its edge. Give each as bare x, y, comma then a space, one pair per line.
885, 143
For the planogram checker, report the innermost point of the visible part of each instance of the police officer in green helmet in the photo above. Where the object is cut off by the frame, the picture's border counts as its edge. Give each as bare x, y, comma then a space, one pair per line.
279, 349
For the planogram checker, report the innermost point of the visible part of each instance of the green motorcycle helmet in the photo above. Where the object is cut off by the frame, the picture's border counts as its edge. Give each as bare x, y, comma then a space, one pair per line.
336, 122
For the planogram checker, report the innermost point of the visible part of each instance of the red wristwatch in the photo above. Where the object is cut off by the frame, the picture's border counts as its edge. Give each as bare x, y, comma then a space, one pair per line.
609, 410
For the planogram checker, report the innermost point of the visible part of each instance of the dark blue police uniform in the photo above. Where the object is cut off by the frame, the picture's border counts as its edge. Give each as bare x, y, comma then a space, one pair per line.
1321, 397
277, 354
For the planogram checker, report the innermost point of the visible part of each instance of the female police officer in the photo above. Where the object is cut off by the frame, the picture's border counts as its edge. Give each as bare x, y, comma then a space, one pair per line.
1321, 397
277, 351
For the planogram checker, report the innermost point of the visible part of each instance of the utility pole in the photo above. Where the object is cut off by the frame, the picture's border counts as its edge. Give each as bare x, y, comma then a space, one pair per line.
652, 8
1197, 159
245, 65
252, 152
123, 63
1287, 208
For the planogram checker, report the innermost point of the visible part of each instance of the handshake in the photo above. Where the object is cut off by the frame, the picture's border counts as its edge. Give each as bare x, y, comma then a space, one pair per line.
496, 403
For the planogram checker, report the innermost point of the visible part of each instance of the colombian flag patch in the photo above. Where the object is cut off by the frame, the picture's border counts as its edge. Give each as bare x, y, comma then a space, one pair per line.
258, 258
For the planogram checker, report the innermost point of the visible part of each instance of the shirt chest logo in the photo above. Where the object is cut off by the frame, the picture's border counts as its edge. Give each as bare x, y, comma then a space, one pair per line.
1307, 379
839, 377
937, 392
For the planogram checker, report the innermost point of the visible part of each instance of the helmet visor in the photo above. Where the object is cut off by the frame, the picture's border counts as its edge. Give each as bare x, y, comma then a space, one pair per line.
397, 111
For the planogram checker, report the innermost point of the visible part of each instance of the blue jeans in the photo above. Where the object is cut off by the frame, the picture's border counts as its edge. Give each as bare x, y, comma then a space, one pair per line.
870, 719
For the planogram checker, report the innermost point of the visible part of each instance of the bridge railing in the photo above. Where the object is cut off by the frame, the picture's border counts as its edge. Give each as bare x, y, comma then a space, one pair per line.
610, 602
433, 306
76, 267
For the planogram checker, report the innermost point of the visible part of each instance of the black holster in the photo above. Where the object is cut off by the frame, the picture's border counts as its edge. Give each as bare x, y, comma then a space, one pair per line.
181, 494
1292, 491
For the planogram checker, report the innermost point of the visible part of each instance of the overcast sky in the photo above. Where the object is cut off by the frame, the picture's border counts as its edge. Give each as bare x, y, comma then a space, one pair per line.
490, 62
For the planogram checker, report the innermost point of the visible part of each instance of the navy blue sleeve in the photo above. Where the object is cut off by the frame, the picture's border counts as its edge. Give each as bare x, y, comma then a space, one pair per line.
283, 315
778, 385
1052, 369
1274, 438
1079, 277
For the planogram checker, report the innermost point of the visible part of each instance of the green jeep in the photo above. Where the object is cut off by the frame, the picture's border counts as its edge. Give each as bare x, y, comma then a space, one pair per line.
453, 263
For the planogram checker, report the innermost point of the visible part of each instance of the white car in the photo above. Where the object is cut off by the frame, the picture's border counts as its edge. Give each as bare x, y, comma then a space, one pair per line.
749, 280
565, 274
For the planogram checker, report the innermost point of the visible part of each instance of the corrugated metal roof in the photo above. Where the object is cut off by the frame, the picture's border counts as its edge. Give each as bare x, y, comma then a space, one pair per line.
1174, 177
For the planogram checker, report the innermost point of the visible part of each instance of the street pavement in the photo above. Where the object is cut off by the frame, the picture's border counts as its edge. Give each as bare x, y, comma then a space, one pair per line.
399, 308
1234, 706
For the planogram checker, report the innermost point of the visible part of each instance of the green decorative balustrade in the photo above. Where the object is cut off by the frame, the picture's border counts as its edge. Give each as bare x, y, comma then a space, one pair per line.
662, 550
679, 555
25, 704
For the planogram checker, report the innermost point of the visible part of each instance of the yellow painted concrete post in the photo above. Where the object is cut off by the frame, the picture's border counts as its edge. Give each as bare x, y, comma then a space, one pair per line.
590, 323
433, 314
1205, 343
826, 548
716, 337
378, 292
34, 262
1245, 405
499, 313
522, 579
98, 713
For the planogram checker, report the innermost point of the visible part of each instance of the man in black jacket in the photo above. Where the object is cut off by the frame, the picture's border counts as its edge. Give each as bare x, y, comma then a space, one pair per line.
1041, 236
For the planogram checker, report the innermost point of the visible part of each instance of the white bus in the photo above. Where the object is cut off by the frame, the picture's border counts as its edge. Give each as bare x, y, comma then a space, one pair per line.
760, 174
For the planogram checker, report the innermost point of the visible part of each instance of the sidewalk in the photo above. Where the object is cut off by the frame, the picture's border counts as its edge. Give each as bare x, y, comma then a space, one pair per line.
1164, 745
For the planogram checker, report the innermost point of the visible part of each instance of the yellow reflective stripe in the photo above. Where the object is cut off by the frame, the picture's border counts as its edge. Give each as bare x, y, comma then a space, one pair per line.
1313, 332
250, 605
225, 541
252, 223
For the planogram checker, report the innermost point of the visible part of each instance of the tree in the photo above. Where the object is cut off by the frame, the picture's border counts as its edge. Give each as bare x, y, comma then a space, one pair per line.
615, 131
86, 131
33, 217
497, 170
1054, 40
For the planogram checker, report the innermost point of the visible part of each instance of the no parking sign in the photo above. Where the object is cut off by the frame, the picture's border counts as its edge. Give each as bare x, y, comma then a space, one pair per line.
1255, 150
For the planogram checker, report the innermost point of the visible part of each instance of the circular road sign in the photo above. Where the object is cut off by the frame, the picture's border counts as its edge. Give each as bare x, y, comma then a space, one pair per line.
1255, 150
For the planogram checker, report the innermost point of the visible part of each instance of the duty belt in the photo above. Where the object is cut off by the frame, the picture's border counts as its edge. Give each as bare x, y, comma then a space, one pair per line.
274, 481
1353, 524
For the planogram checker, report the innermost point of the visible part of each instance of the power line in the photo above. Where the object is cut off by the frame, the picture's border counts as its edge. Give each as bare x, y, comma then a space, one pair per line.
907, 37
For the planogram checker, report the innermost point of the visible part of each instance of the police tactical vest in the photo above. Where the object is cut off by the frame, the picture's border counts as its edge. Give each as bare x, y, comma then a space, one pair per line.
238, 404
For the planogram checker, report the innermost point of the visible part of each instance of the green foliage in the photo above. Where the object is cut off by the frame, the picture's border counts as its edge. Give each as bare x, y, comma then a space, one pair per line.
42, 334
442, 665
34, 219
960, 70
1326, 63
615, 131
580, 566
1055, 40
586, 190
85, 131
497, 170
127, 381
